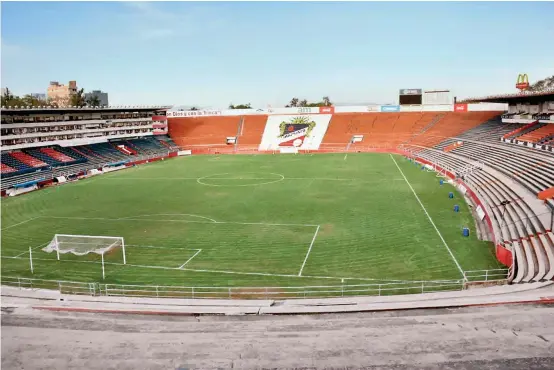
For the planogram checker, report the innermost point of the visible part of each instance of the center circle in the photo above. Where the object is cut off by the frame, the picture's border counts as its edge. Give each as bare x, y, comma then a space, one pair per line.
234, 179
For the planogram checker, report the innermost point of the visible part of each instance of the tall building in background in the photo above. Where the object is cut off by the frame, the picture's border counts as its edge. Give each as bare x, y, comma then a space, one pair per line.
3, 91
102, 97
61, 94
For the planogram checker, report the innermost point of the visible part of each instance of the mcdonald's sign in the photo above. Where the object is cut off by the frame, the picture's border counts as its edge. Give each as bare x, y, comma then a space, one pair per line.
522, 82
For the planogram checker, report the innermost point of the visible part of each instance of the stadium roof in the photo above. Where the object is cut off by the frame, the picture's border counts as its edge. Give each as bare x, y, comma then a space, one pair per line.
121, 108
527, 97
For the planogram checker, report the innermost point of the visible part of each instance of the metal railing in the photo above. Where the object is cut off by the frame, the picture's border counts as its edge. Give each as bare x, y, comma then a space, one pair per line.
161, 291
62, 286
486, 275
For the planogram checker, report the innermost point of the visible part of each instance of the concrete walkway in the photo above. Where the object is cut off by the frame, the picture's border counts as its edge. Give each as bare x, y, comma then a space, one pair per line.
54, 301
507, 337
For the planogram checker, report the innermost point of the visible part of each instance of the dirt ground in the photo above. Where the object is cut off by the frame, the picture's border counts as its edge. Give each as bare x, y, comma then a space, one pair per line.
500, 337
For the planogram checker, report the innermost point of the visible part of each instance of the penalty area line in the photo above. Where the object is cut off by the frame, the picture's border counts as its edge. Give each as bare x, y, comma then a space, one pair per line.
430, 219
387, 281
20, 223
309, 250
190, 259
27, 252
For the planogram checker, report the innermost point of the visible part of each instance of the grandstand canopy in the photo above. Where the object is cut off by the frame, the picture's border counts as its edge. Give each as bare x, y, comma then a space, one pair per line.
526, 97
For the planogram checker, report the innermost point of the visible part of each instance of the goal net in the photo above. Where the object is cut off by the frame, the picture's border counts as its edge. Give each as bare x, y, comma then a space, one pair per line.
81, 245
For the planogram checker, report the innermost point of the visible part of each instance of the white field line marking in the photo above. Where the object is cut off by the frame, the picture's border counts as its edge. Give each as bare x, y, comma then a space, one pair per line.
186, 221
346, 155
38, 246
190, 259
20, 223
309, 250
171, 214
430, 219
234, 178
372, 181
212, 177
239, 272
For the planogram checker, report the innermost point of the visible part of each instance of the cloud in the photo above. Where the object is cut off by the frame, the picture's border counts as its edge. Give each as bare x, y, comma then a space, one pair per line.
10, 50
151, 21
157, 33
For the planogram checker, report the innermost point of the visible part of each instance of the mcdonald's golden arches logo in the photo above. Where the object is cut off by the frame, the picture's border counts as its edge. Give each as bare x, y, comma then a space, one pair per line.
522, 82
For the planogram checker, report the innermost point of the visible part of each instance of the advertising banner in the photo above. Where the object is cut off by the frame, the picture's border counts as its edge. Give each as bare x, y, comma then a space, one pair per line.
390, 108
193, 113
460, 107
302, 132
294, 110
326, 110
410, 91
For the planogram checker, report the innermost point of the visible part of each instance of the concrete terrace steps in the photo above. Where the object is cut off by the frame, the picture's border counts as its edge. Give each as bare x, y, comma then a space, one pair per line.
52, 300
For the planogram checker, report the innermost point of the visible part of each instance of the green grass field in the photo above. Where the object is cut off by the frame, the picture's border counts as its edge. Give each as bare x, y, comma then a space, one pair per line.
256, 220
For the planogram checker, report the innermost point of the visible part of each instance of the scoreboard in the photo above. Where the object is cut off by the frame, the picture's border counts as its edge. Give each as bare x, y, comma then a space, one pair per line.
410, 97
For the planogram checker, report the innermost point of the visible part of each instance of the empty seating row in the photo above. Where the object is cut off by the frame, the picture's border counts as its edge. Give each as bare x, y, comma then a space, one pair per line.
7, 169
515, 223
7, 159
83, 158
490, 131
538, 135
530, 168
38, 154
60, 157
147, 146
28, 159
451, 125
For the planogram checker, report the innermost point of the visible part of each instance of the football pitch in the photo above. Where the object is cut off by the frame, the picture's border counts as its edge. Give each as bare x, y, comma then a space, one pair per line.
251, 221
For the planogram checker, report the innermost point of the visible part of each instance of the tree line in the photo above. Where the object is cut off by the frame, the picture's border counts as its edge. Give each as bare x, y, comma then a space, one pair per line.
294, 102
76, 100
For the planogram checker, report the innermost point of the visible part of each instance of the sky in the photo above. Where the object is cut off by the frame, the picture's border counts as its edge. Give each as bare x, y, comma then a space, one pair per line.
211, 54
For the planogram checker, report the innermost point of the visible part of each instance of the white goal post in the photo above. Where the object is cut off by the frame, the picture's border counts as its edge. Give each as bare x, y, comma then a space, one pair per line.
81, 245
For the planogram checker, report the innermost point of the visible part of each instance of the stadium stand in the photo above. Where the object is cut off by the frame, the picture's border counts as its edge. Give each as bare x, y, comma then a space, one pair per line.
380, 130
521, 129
7, 169
452, 124
72, 160
204, 131
251, 130
519, 223
28, 160
533, 169
540, 134
60, 157
166, 141
14, 163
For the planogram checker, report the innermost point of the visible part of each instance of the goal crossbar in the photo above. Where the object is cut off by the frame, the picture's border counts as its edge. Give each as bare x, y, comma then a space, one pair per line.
85, 244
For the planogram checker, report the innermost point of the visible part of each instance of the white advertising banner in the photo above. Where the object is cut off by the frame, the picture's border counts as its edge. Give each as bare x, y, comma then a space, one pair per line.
303, 132
193, 113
